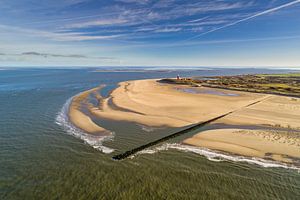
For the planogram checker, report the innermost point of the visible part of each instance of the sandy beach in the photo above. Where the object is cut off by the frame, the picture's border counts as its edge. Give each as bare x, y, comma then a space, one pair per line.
276, 145
151, 103
276, 111
154, 104
280, 142
81, 120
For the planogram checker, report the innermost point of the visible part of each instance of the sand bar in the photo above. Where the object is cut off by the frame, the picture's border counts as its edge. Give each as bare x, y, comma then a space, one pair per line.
150, 103
81, 120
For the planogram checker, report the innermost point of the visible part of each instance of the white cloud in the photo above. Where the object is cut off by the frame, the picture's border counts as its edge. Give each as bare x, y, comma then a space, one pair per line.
98, 22
60, 36
167, 30
265, 12
134, 1
198, 20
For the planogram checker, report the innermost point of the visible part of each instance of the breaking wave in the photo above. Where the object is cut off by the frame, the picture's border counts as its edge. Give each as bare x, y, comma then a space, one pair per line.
217, 156
96, 142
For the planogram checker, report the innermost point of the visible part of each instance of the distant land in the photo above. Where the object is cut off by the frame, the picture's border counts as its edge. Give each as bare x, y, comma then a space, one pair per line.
281, 84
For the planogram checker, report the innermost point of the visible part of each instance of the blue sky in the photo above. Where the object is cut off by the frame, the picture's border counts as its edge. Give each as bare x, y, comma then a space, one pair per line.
252, 33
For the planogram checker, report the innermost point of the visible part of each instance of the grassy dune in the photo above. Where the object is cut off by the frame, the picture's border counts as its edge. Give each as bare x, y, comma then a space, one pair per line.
282, 84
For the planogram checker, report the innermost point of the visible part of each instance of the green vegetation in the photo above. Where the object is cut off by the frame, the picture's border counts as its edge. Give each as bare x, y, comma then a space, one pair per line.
184, 81
281, 75
283, 84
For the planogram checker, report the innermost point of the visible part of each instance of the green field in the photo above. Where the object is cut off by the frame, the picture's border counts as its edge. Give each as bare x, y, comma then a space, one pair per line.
282, 84
280, 75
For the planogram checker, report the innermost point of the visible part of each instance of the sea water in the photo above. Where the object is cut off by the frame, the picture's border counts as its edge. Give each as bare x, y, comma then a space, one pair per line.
43, 156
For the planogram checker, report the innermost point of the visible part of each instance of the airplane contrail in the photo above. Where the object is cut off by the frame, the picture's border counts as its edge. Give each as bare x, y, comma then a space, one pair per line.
247, 18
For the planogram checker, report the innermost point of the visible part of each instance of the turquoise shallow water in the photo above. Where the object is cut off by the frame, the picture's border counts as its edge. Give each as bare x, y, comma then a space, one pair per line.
39, 160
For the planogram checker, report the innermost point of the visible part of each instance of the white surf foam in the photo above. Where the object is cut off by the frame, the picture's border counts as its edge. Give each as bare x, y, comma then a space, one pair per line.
96, 142
217, 156
146, 128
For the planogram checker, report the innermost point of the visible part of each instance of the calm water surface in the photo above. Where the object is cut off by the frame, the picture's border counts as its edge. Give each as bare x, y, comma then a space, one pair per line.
38, 160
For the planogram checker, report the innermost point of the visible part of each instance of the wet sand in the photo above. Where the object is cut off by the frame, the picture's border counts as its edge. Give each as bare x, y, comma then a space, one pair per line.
80, 119
267, 144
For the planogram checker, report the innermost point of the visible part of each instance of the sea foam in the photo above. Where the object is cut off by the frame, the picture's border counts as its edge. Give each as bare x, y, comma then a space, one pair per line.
217, 156
96, 142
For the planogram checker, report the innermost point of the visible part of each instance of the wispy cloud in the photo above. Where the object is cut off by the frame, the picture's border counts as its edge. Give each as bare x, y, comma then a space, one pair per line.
57, 36
123, 18
51, 57
130, 28
79, 37
134, 1
32, 53
47, 55
248, 18
167, 30
195, 43
148, 12
198, 20
98, 22
213, 42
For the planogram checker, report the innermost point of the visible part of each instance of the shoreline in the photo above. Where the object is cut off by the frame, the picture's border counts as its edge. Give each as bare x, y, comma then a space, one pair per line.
153, 104
218, 156
96, 141
248, 143
80, 119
